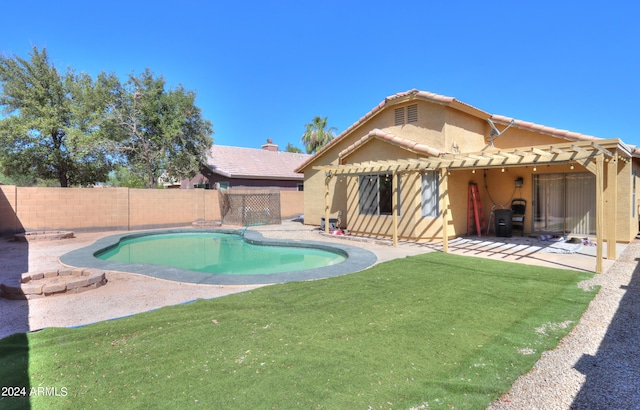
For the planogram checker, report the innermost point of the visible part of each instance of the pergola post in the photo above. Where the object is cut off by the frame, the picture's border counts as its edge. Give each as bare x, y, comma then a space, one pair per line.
599, 211
394, 202
612, 205
445, 209
327, 180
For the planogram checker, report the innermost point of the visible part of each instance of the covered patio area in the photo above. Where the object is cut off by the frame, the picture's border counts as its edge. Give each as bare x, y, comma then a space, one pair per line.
601, 159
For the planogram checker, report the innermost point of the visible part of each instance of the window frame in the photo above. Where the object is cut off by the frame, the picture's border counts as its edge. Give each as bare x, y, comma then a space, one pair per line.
371, 194
430, 194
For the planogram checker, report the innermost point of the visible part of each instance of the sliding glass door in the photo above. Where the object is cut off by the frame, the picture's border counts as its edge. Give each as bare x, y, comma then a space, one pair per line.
564, 203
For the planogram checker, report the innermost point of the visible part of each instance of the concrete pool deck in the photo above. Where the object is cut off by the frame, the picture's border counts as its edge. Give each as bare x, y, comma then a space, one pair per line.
357, 259
126, 293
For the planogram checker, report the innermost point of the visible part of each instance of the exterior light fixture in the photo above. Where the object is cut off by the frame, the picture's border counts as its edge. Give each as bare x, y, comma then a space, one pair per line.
571, 165
473, 171
535, 168
502, 170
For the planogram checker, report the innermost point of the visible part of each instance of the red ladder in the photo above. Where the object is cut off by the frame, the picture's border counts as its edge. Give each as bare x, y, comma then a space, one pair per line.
475, 215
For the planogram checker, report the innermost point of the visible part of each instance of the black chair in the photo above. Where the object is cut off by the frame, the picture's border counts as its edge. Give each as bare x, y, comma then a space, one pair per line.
518, 207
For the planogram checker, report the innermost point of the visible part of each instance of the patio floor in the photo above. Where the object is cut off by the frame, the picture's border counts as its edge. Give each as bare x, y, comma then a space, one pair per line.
533, 251
521, 249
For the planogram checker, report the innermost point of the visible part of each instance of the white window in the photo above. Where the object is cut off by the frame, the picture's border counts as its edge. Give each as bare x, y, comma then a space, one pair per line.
430, 195
376, 193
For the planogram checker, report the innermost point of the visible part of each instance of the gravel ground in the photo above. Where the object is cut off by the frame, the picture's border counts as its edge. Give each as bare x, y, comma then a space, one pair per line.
596, 366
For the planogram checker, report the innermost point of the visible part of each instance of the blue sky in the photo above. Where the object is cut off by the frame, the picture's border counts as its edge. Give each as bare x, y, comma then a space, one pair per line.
263, 69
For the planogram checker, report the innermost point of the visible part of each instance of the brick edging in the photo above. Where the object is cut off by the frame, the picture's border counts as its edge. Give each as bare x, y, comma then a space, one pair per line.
47, 283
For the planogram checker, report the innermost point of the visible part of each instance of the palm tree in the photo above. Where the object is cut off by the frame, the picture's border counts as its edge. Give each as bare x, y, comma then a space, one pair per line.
317, 135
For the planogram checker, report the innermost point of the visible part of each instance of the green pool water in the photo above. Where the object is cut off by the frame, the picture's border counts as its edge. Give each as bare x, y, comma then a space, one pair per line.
217, 253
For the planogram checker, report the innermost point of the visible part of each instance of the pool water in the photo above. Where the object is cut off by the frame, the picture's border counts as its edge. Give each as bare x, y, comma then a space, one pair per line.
217, 253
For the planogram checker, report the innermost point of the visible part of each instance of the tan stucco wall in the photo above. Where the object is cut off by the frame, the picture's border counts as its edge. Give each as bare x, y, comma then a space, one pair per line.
464, 133
438, 126
429, 129
382, 225
449, 130
515, 137
626, 210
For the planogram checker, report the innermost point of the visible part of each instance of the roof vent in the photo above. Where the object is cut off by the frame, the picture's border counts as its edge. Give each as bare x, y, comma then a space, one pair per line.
399, 115
411, 114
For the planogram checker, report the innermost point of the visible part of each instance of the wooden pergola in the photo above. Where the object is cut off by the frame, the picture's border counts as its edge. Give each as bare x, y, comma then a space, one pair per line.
592, 155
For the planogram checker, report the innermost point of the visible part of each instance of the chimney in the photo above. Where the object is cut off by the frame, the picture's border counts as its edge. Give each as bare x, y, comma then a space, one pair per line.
270, 146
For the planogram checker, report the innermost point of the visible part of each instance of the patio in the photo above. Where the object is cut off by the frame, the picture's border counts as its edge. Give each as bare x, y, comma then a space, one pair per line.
533, 251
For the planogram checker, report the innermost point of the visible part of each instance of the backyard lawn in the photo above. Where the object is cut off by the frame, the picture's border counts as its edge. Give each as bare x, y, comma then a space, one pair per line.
428, 331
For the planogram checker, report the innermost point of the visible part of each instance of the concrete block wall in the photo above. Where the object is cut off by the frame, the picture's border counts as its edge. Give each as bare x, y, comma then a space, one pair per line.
25, 209
9, 222
81, 209
291, 203
157, 208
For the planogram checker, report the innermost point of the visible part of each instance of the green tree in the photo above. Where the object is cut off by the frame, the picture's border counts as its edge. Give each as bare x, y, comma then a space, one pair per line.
159, 132
292, 148
51, 121
122, 177
317, 135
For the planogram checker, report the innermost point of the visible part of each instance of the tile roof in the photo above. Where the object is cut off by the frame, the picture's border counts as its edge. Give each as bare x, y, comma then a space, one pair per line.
392, 139
559, 133
398, 98
252, 163
457, 104
570, 135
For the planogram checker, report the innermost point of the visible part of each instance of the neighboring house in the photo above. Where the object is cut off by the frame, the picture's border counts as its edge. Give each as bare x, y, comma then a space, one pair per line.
229, 167
403, 171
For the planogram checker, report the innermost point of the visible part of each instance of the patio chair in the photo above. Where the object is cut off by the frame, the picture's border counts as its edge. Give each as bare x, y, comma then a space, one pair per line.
519, 207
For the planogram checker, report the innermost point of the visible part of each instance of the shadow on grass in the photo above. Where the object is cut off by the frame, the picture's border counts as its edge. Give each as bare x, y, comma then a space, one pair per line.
14, 354
613, 374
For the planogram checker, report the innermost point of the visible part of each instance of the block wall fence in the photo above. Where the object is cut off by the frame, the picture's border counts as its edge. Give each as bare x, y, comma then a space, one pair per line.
25, 209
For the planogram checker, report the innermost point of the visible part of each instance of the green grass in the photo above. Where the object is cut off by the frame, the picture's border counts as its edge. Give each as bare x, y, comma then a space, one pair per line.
441, 329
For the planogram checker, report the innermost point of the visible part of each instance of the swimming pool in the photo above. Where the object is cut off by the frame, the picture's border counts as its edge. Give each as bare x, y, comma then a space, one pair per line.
219, 256
217, 253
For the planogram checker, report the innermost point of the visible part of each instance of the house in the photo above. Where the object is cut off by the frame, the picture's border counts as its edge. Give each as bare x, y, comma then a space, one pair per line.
406, 169
229, 167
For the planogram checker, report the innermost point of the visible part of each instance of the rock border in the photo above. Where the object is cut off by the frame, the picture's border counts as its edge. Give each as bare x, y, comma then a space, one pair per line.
43, 235
201, 223
47, 283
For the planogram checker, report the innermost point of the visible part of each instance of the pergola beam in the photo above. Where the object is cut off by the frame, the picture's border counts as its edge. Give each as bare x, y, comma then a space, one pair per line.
583, 153
590, 155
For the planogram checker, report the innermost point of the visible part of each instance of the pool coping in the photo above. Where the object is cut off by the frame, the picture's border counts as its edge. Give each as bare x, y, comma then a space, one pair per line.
357, 259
